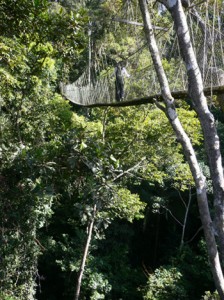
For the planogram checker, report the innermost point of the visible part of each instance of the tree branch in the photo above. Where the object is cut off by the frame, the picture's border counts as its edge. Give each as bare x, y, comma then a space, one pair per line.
137, 23
130, 169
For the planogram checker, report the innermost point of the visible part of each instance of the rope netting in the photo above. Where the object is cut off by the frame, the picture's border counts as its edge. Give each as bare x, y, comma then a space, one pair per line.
97, 85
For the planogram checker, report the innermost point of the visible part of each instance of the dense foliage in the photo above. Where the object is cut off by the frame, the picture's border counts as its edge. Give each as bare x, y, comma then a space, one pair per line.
59, 162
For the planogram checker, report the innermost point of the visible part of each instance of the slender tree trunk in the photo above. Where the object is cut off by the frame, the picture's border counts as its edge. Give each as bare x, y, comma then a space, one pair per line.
85, 253
90, 54
211, 139
187, 207
182, 137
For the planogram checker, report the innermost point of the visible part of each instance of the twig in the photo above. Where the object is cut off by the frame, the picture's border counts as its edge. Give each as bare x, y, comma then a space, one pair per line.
172, 215
199, 229
104, 123
137, 23
159, 105
185, 219
39, 244
130, 169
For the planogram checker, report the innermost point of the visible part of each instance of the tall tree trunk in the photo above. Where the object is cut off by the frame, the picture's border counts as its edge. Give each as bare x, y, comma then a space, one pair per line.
211, 139
85, 253
182, 137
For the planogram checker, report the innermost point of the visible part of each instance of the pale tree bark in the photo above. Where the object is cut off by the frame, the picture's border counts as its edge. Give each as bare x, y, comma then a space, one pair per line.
211, 139
85, 254
189, 152
187, 207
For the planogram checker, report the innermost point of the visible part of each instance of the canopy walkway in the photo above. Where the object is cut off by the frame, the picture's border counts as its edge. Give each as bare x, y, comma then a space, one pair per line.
96, 86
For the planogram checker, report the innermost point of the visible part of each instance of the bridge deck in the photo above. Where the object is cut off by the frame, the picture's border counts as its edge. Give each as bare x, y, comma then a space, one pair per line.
215, 90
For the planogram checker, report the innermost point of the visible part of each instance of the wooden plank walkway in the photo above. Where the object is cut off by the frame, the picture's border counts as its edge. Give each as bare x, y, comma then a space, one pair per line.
215, 90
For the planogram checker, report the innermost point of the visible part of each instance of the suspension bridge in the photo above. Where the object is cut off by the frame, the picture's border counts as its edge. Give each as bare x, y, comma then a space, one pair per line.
96, 85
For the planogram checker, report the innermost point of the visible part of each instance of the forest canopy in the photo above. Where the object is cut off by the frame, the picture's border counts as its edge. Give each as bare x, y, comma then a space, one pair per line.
96, 203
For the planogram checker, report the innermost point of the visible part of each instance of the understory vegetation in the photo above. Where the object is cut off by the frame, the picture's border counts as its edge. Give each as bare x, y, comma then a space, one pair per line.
65, 167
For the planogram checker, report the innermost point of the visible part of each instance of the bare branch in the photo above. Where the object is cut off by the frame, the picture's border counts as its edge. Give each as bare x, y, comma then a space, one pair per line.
172, 215
104, 123
182, 200
185, 218
159, 105
199, 229
137, 23
130, 169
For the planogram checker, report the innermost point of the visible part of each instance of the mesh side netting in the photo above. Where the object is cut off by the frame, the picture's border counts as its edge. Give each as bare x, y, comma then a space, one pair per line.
207, 40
